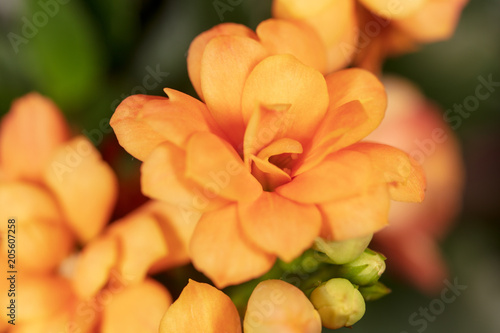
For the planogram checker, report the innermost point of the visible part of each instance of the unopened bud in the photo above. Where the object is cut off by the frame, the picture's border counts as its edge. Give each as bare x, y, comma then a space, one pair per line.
338, 303
344, 251
365, 270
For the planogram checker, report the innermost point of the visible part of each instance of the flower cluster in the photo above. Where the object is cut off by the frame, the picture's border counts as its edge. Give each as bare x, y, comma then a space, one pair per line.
271, 184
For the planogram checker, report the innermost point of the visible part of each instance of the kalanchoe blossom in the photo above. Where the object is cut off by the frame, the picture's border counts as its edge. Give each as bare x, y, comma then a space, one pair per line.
274, 306
273, 158
365, 32
59, 191
58, 188
415, 125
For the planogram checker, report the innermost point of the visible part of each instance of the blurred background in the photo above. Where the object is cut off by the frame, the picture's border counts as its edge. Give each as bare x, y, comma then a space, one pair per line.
89, 55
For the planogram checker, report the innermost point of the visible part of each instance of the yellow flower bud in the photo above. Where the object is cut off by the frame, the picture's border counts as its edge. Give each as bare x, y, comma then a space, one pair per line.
339, 303
365, 270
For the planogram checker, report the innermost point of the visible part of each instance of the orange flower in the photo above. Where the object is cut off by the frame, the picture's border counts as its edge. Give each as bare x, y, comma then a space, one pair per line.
47, 303
272, 158
415, 125
153, 238
367, 31
57, 189
274, 306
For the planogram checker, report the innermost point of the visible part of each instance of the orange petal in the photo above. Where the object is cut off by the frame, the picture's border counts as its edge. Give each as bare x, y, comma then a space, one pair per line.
42, 296
201, 308
178, 117
163, 178
215, 166
356, 216
177, 226
220, 250
225, 66
280, 226
46, 241
137, 308
434, 21
391, 10
85, 186
26, 202
273, 175
277, 306
404, 176
340, 175
141, 244
299, 40
29, 133
133, 134
334, 21
356, 84
94, 265
339, 129
283, 80
198, 45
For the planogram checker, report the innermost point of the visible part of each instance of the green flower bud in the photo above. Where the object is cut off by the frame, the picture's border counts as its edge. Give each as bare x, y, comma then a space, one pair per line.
374, 292
338, 303
344, 251
365, 270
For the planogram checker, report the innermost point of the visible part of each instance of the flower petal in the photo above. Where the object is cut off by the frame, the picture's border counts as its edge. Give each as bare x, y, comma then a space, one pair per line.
132, 132
225, 66
356, 84
220, 250
280, 226
39, 297
94, 266
178, 117
85, 186
283, 80
141, 244
334, 21
215, 166
434, 21
391, 10
201, 308
404, 176
357, 216
163, 178
178, 226
198, 45
122, 313
340, 175
337, 130
46, 240
295, 38
287, 310
29, 133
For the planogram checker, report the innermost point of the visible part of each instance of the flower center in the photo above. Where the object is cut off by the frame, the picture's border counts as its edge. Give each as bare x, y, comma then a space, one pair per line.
273, 165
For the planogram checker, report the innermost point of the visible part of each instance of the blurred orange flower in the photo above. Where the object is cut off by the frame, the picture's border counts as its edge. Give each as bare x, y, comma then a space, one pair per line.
58, 189
274, 306
272, 159
367, 31
415, 125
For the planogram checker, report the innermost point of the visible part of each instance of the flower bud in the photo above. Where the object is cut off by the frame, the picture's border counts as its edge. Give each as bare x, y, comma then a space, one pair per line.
365, 270
344, 251
339, 303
